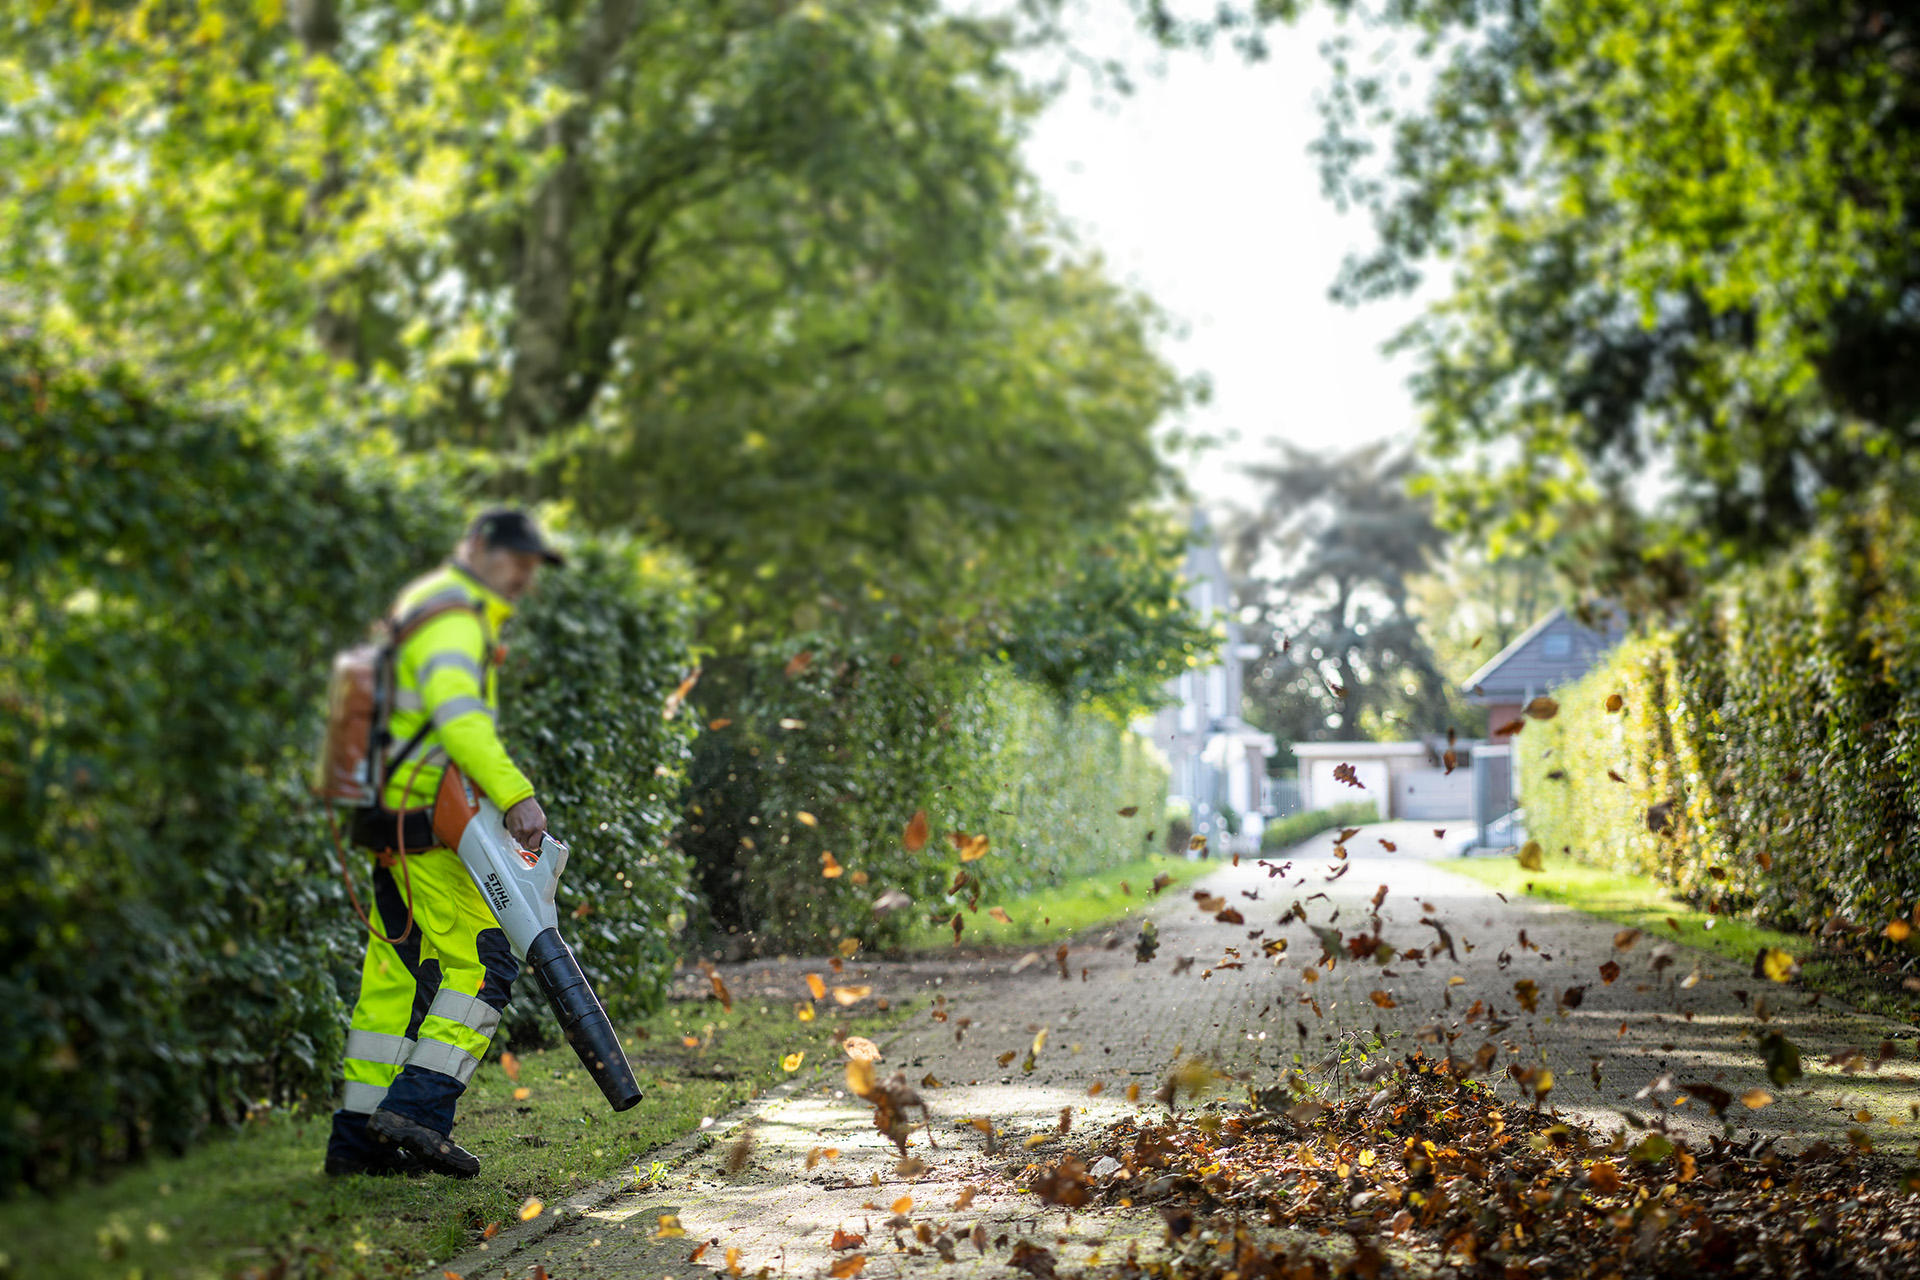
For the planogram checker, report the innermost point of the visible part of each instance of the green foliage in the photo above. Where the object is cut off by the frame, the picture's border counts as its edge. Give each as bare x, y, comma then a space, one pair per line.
1115, 628
863, 737
177, 944
1778, 720
1684, 241
1284, 833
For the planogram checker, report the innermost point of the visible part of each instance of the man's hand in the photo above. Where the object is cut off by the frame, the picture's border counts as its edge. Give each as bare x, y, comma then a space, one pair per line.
526, 822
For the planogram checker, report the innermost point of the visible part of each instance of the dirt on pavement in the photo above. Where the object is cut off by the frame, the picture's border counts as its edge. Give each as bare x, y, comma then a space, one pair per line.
1103, 1029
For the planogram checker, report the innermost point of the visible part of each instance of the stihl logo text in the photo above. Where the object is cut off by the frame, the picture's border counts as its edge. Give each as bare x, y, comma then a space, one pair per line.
497, 892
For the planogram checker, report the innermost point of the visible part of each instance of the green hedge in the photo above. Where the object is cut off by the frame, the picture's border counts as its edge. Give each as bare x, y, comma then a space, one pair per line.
176, 943
1780, 720
874, 733
1286, 832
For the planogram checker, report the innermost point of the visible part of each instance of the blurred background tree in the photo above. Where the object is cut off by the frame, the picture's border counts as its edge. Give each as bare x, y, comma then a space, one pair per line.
1327, 564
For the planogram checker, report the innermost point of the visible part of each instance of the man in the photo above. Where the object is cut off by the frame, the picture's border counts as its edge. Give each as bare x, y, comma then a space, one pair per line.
431, 998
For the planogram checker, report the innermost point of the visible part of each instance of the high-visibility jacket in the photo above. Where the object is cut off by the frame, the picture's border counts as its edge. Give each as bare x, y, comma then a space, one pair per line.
445, 674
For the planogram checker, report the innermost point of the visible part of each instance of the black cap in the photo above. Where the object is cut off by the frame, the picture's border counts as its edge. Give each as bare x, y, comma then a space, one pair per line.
513, 529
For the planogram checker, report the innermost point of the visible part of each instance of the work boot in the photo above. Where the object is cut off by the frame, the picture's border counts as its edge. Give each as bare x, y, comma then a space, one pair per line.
436, 1151
390, 1162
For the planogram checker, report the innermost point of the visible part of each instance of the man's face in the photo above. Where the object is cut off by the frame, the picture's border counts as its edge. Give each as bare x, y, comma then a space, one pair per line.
508, 572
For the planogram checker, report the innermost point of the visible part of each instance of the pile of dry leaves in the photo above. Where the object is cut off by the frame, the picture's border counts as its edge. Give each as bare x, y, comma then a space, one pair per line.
1432, 1175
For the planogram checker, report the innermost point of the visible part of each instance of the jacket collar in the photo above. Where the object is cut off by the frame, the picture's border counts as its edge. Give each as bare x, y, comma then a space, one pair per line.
498, 607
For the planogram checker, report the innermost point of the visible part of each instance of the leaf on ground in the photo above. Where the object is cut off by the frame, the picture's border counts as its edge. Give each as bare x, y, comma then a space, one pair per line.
847, 1266
532, 1208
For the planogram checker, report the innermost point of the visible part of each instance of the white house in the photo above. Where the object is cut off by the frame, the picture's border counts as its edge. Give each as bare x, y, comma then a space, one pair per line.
1217, 762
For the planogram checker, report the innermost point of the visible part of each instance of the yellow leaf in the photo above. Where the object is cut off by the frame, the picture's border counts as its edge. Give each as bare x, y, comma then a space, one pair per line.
860, 1076
851, 995
830, 868
848, 946
1530, 859
670, 1228
793, 1060
522, 1094
847, 1266
1754, 1099
531, 1209
903, 1205
1898, 930
806, 819
804, 1011
733, 1262
815, 985
974, 849
510, 1065
1777, 965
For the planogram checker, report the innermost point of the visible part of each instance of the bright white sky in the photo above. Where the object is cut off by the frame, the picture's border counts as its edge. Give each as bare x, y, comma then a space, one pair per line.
1199, 190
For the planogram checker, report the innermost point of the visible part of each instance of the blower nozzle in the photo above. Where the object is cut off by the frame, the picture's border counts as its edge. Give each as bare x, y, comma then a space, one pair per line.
584, 1023
519, 885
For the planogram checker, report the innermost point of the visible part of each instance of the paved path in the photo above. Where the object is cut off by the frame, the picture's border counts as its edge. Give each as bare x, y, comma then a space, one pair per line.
1117, 1023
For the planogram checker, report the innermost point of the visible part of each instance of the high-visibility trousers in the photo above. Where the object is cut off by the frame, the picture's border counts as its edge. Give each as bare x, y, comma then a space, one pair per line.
428, 1005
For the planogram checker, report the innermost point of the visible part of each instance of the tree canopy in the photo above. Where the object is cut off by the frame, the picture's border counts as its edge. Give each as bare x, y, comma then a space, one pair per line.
1683, 253
766, 281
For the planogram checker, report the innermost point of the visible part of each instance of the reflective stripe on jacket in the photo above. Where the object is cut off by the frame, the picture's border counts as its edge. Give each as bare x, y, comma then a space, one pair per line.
442, 675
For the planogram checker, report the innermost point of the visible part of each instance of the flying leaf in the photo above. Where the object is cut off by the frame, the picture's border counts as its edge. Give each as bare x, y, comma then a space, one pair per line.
788, 722
1383, 999
1527, 993
1609, 972
720, 990
510, 1065
1754, 1099
718, 723
679, 695
670, 1228
917, 833
793, 1060
1531, 856
847, 1266
1000, 914
1782, 1058
1625, 939
830, 867
816, 986
1615, 702
846, 1240
803, 1010
798, 663
531, 1209
861, 1049
1774, 965
850, 995
1345, 773
1543, 708
974, 849
1130, 810
806, 819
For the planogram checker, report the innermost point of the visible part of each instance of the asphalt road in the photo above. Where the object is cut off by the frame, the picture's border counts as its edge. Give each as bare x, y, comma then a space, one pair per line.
1673, 1016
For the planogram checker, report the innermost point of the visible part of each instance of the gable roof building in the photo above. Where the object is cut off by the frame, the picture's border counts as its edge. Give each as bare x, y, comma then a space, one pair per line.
1554, 651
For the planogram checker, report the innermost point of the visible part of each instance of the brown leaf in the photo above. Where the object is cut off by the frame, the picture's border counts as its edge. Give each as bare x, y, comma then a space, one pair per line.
1383, 999
842, 1240
510, 1065
917, 833
718, 723
1230, 916
1510, 728
1625, 939
798, 663
1543, 708
1345, 773
1161, 881
1000, 914
974, 849
1130, 810
847, 1266
1615, 702
679, 695
1609, 972
720, 992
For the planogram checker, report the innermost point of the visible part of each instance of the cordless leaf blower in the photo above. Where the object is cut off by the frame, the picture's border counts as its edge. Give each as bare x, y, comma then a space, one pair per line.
518, 885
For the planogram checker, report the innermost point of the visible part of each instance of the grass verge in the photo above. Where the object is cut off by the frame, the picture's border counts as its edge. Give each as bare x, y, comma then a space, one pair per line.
1081, 903
255, 1203
1644, 903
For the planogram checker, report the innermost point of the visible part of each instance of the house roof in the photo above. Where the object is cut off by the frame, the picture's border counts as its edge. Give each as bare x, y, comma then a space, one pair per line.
1525, 668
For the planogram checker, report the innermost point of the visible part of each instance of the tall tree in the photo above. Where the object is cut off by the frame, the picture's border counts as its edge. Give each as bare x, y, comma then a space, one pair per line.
1327, 562
1684, 239
765, 279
